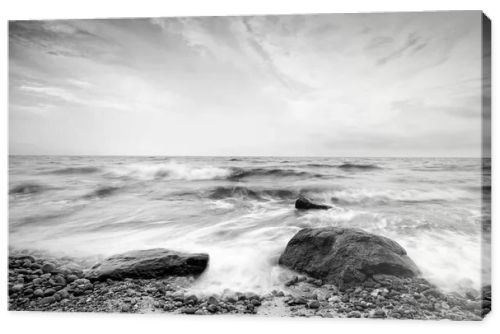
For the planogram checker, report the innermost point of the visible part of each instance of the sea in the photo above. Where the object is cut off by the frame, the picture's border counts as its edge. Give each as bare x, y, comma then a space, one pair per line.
240, 210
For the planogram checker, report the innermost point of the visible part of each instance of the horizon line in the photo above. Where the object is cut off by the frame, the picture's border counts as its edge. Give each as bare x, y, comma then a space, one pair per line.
241, 156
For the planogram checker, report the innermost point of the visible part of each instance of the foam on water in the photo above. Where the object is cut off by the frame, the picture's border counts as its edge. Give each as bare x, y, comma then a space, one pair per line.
171, 171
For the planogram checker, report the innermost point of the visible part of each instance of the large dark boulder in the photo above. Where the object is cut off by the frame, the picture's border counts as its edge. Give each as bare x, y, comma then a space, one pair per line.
305, 204
149, 263
346, 255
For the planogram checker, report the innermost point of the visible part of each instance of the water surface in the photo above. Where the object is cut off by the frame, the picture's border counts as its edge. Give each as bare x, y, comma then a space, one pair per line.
240, 210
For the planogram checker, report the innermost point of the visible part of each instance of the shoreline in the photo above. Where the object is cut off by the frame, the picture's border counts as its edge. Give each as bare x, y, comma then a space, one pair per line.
40, 283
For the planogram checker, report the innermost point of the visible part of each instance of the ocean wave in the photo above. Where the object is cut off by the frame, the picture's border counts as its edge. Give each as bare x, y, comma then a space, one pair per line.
171, 171
44, 218
104, 191
240, 173
75, 170
255, 194
353, 166
319, 165
368, 197
27, 188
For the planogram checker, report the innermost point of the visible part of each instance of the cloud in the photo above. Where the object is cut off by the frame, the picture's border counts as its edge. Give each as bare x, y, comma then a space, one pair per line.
61, 38
411, 45
330, 84
378, 42
56, 92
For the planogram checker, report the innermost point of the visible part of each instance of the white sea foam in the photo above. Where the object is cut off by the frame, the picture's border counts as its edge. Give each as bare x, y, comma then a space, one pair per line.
379, 196
170, 171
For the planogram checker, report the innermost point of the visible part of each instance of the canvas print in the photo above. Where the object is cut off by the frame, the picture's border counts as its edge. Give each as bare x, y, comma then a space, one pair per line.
312, 165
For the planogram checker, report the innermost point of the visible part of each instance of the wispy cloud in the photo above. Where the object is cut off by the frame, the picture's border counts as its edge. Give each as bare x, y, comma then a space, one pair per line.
61, 38
293, 84
411, 46
56, 92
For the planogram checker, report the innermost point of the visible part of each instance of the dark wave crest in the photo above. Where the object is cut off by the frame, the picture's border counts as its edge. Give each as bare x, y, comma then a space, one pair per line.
320, 165
104, 191
239, 173
75, 170
352, 166
256, 194
27, 188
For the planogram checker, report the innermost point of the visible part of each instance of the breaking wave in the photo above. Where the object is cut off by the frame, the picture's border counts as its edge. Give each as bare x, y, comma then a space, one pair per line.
75, 170
256, 194
27, 188
171, 171
352, 166
366, 196
240, 173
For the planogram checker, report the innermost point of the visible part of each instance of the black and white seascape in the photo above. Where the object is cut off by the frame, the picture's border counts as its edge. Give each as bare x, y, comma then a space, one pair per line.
306, 165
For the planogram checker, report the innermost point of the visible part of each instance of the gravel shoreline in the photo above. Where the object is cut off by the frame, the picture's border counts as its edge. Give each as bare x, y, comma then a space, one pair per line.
38, 283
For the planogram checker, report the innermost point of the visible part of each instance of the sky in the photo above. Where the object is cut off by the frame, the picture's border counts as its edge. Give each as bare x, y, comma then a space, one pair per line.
396, 84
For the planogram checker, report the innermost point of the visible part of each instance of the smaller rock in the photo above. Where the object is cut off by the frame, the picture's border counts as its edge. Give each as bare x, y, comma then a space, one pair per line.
191, 299
178, 296
313, 304
255, 302
292, 281
305, 204
298, 301
379, 313
38, 293
212, 308
49, 292
71, 278
59, 280
334, 299
17, 287
354, 314
301, 278
251, 295
396, 315
189, 310
231, 299
45, 277
212, 301
317, 282
63, 293
47, 300
35, 266
49, 267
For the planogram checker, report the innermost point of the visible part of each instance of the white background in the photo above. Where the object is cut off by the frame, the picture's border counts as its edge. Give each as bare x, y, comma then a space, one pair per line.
24, 322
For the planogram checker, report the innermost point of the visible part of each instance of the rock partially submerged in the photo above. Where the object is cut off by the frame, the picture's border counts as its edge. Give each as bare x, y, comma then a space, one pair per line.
346, 255
149, 263
305, 204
